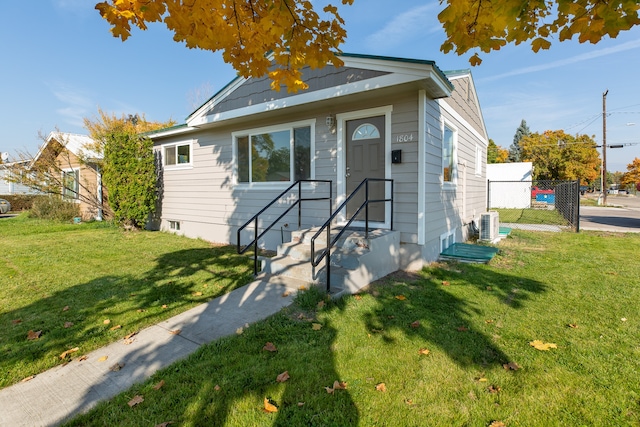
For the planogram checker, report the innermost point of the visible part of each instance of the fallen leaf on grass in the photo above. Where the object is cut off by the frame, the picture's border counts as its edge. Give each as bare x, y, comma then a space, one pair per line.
489, 288
300, 404
175, 332
103, 358
283, 377
240, 330
126, 337
217, 388
415, 324
511, 366
68, 324
572, 325
136, 400
269, 407
339, 385
66, 353
624, 319
269, 347
106, 321
381, 387
462, 329
401, 297
488, 321
482, 380
445, 283
16, 321
424, 351
159, 385
302, 288
539, 345
33, 335
316, 326
114, 328
83, 358
320, 305
65, 308
197, 294
164, 305
494, 389
29, 378
358, 297
116, 367
141, 310
165, 424
497, 424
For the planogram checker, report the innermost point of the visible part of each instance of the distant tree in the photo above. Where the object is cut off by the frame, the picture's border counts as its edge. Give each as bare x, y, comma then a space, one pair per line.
495, 153
557, 155
631, 178
515, 154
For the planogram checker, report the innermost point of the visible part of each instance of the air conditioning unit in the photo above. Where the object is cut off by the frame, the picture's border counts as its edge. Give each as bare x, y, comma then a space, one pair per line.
489, 226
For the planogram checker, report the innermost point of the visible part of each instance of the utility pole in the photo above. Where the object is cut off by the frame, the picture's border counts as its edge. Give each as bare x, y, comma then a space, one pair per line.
603, 183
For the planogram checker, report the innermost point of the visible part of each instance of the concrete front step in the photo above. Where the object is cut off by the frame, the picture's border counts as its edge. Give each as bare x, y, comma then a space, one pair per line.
355, 261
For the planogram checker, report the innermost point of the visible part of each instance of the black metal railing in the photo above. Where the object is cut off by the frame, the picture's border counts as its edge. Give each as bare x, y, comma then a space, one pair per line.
326, 252
255, 219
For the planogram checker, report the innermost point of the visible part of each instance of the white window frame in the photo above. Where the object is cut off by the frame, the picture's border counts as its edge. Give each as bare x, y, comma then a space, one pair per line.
478, 160
75, 199
175, 145
447, 239
290, 126
454, 156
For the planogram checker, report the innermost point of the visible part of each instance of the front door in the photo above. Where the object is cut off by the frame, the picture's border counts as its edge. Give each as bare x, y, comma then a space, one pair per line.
365, 159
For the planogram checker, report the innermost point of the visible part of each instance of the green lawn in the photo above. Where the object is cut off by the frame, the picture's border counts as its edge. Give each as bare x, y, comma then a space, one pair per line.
531, 216
579, 291
90, 284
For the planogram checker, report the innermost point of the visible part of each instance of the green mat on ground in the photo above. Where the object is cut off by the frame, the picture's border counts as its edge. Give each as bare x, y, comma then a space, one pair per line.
469, 253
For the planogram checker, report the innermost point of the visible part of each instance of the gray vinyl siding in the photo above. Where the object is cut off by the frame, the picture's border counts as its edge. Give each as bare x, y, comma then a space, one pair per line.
463, 99
258, 90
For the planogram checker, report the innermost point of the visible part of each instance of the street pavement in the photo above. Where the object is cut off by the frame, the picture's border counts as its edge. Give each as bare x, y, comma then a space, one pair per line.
621, 215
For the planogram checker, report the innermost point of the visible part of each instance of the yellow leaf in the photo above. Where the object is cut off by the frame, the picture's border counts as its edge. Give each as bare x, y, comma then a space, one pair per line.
539, 345
339, 385
103, 358
381, 387
29, 378
316, 326
66, 353
424, 351
106, 321
197, 294
269, 407
113, 328
401, 297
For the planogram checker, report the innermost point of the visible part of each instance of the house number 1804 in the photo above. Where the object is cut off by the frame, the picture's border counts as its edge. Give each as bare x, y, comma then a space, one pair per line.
407, 137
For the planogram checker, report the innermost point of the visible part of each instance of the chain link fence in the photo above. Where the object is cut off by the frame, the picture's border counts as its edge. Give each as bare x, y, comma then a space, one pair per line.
541, 205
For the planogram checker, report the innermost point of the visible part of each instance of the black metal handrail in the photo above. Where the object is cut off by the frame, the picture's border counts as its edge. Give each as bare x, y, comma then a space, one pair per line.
298, 203
326, 252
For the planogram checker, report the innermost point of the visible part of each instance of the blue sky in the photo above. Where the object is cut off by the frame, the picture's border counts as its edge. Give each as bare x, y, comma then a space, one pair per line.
60, 63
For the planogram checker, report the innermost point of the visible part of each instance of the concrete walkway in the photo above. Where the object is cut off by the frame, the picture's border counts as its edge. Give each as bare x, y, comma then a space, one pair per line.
62, 392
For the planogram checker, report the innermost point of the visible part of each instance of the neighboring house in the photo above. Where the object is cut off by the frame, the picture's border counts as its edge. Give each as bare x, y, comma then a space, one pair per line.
72, 158
8, 187
510, 185
375, 117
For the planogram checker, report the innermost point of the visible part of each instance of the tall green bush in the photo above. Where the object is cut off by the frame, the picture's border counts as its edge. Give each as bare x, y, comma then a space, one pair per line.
130, 177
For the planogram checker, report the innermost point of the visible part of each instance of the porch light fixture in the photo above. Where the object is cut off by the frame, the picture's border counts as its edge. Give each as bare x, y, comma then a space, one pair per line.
330, 121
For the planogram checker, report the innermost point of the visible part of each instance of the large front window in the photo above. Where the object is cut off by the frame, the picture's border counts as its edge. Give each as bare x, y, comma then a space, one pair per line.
274, 155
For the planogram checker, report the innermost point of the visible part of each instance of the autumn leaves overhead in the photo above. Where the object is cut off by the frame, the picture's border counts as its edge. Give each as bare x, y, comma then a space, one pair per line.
295, 34
291, 31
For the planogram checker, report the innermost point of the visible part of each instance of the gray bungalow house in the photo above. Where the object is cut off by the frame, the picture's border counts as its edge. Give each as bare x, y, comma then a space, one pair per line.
415, 132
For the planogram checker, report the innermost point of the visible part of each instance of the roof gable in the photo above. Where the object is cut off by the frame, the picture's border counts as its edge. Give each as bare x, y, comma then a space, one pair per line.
360, 74
464, 99
78, 145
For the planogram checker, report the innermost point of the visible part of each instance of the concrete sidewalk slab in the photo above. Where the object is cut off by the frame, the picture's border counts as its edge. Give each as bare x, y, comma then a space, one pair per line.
65, 391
